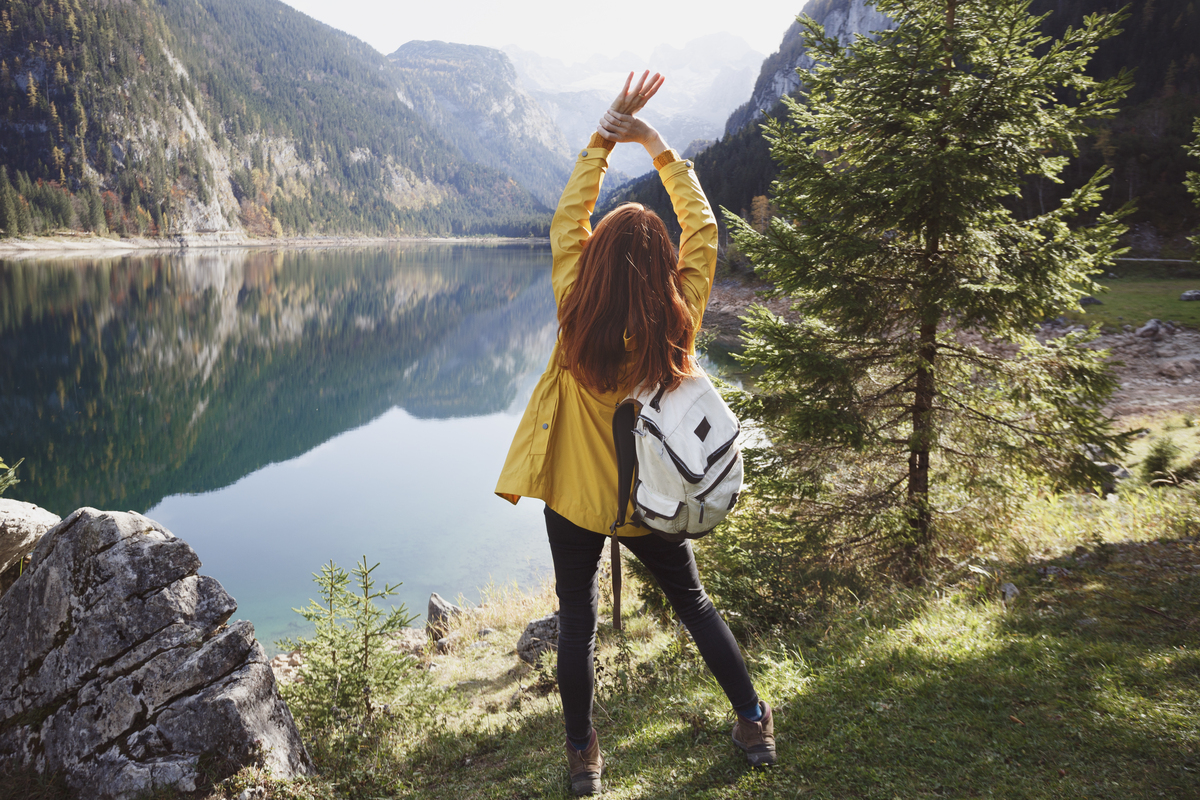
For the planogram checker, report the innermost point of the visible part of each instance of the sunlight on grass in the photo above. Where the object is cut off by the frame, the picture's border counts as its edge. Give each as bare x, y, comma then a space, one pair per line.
1085, 684
1134, 301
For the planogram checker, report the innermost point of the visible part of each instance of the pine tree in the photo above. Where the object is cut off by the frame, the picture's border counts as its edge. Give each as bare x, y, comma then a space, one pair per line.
912, 383
1193, 183
8, 205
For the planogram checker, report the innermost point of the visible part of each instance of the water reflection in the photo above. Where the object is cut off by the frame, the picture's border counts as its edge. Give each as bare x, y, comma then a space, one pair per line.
128, 380
279, 409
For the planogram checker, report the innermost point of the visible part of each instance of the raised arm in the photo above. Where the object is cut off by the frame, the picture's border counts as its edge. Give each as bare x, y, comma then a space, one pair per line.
698, 240
571, 225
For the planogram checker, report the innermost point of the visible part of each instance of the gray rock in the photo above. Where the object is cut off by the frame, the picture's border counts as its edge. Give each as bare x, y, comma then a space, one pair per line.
1116, 474
1088, 300
539, 636
1008, 592
21, 525
1178, 367
117, 669
1154, 329
438, 615
1191, 294
449, 642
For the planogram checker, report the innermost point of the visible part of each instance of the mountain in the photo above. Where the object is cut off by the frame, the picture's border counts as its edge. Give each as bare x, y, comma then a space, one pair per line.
778, 76
218, 117
706, 79
1143, 144
471, 96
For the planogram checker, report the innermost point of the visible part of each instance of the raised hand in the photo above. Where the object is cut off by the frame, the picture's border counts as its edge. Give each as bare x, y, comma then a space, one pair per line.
619, 123
625, 128
631, 102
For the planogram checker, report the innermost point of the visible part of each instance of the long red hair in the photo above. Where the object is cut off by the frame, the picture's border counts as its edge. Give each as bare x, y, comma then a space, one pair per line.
628, 284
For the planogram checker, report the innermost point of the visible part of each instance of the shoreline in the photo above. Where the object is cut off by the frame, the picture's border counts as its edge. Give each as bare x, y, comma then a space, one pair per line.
85, 244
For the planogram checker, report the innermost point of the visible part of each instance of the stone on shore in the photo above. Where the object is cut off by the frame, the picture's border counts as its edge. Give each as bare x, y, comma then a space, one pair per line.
21, 525
540, 636
118, 672
438, 615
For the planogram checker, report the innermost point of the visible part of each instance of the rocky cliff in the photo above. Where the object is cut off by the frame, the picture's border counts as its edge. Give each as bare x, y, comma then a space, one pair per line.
213, 117
778, 77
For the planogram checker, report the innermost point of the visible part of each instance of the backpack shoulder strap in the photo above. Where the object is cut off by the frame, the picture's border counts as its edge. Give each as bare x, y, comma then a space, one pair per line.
623, 421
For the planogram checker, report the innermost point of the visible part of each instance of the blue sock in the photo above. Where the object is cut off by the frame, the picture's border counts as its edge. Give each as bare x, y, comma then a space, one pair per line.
580, 744
754, 713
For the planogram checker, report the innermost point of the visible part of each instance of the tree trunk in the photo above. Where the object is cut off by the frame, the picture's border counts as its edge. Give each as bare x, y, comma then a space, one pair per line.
920, 516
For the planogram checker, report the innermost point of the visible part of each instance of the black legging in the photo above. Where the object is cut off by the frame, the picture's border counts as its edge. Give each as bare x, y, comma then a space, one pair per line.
576, 552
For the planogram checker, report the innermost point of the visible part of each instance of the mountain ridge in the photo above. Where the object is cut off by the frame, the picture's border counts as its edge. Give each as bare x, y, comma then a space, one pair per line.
215, 115
470, 95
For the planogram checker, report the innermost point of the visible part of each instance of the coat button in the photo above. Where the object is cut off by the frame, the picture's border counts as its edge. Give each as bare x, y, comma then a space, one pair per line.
583, 154
545, 425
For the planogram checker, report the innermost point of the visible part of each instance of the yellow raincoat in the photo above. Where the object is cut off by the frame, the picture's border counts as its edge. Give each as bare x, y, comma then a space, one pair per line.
563, 450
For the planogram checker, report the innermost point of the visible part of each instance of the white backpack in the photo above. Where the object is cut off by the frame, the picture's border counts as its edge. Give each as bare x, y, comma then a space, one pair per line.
678, 456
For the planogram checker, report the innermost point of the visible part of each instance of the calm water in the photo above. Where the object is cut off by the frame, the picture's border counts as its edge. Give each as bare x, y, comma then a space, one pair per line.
281, 409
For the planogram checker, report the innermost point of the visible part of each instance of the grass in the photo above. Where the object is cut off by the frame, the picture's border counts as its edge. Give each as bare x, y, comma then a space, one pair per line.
1086, 684
1134, 300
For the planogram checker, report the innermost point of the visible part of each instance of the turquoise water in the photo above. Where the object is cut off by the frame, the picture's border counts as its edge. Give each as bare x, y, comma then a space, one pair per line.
281, 409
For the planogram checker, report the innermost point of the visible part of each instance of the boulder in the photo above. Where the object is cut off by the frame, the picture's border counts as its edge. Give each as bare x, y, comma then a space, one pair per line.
1154, 329
118, 672
21, 525
540, 636
1088, 300
438, 615
450, 642
1008, 592
1191, 294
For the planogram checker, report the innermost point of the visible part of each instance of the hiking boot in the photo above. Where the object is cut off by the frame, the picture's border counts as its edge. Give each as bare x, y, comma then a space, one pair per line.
757, 739
585, 767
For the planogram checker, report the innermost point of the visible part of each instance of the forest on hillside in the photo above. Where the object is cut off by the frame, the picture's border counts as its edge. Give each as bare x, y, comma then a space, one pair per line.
143, 118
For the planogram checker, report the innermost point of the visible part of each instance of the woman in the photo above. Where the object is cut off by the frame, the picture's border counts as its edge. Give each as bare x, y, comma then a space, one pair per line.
628, 311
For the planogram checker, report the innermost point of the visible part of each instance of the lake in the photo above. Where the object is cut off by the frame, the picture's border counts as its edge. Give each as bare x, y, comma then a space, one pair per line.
281, 409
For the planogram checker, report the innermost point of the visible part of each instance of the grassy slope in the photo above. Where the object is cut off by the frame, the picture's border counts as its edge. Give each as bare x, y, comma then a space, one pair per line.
1087, 684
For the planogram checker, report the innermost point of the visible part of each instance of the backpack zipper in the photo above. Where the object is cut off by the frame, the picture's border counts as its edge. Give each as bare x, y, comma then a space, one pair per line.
701, 496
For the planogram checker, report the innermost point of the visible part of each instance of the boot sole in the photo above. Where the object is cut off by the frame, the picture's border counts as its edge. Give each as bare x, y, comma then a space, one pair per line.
757, 758
586, 784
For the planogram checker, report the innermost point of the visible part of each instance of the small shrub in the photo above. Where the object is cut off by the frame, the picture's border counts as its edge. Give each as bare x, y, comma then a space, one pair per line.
349, 666
1159, 467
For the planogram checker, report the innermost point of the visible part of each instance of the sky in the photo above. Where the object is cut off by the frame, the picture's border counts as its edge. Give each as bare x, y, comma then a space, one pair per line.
572, 32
